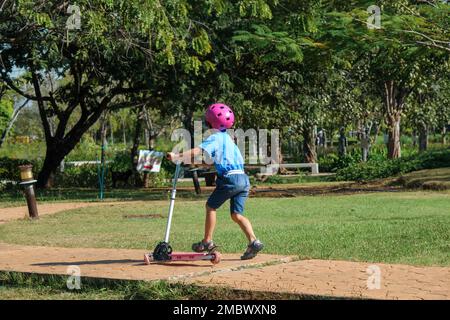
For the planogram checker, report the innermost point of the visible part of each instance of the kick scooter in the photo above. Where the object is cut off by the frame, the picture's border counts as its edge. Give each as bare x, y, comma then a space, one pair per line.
163, 251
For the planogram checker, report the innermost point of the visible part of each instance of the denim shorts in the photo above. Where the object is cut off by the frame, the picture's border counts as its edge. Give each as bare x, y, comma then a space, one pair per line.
234, 187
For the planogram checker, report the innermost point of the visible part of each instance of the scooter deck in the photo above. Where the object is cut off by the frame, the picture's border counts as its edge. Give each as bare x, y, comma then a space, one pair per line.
186, 256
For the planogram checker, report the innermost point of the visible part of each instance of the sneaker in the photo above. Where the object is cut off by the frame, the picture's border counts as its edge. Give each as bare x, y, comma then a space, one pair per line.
203, 246
252, 250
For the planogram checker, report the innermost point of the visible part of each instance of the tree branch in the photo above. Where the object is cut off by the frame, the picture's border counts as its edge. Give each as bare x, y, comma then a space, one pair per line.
40, 101
13, 87
431, 42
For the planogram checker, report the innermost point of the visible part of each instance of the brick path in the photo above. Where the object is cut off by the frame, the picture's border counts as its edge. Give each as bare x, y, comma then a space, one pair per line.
266, 273
339, 279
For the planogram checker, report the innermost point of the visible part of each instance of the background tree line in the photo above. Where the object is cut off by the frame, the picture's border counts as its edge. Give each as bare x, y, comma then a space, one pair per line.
136, 69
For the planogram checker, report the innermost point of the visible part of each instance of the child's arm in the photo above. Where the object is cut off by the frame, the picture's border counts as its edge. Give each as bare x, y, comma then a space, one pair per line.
185, 157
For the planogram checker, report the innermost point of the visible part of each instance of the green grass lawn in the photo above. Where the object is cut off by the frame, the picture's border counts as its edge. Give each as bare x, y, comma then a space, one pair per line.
22, 286
8, 204
16, 197
403, 227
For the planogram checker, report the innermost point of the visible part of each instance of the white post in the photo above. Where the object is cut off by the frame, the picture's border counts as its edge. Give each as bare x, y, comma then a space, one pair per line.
172, 201
315, 168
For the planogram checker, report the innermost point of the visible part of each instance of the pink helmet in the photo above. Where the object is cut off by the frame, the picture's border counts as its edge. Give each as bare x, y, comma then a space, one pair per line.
220, 116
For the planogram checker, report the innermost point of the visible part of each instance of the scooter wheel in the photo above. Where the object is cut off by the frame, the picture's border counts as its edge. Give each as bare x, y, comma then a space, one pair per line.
217, 257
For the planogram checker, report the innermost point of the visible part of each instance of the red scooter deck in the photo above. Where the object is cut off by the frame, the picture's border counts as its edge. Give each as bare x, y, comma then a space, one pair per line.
214, 257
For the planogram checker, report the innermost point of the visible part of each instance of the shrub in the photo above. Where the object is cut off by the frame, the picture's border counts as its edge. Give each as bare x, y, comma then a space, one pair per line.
121, 162
159, 179
378, 169
332, 162
85, 176
87, 149
9, 168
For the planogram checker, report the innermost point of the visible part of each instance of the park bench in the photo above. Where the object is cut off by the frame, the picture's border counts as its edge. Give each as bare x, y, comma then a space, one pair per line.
83, 163
272, 169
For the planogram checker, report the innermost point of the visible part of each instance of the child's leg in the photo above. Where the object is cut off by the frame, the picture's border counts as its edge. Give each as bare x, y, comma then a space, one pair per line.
215, 201
245, 225
210, 223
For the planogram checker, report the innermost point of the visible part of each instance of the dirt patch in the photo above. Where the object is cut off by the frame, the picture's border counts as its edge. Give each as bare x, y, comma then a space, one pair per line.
432, 179
332, 189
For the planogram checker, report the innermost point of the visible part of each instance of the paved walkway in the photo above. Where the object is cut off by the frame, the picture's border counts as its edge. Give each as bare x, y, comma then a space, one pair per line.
125, 264
266, 273
339, 279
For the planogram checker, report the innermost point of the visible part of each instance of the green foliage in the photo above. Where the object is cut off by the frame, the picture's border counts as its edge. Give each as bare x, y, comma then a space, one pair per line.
32, 151
85, 150
378, 169
85, 176
121, 162
10, 173
332, 162
160, 179
116, 60
290, 65
271, 46
6, 110
9, 168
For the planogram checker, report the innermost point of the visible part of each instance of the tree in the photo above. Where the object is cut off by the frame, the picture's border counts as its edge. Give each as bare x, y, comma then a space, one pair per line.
396, 63
428, 108
110, 63
274, 72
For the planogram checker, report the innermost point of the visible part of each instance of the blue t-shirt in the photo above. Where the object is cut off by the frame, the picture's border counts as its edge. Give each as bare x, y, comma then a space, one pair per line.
224, 152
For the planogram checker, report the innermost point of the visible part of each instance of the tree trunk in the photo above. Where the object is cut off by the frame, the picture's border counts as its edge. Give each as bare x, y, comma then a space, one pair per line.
189, 125
444, 135
150, 141
423, 137
53, 158
280, 158
124, 132
342, 143
56, 151
111, 131
393, 145
376, 131
414, 138
134, 149
309, 145
394, 102
147, 139
103, 158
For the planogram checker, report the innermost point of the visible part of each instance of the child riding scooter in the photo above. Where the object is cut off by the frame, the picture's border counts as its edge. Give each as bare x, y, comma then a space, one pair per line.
232, 182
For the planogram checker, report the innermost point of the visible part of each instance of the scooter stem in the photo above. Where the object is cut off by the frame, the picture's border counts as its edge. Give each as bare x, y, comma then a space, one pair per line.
172, 201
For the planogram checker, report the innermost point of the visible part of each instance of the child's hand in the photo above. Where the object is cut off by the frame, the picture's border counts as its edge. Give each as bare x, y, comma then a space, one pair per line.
170, 156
